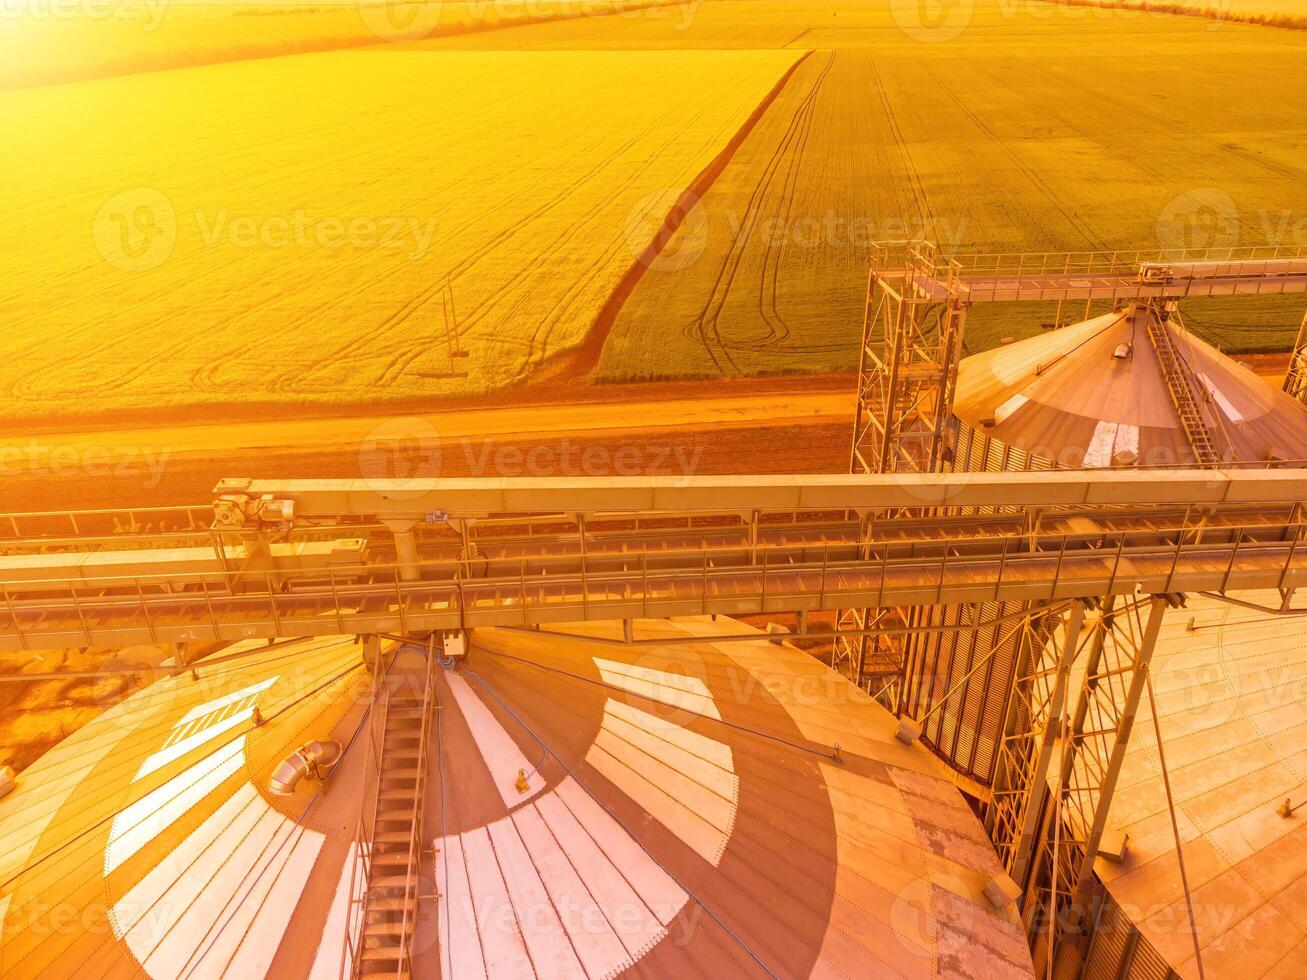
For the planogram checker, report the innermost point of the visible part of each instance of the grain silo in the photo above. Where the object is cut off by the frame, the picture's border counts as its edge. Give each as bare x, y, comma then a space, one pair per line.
1128, 388
1227, 684
576, 807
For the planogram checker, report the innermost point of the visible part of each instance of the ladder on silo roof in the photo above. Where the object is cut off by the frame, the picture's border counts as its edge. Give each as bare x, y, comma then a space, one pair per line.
393, 862
1180, 385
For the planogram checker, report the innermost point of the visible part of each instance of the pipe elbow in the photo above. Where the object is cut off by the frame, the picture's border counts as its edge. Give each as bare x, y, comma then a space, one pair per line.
315, 759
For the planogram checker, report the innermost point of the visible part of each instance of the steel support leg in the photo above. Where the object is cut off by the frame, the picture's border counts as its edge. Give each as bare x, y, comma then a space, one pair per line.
1047, 822
1038, 701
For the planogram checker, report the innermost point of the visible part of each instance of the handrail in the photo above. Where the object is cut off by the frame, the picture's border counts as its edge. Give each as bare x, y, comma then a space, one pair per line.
362, 863
447, 592
927, 269
237, 581
197, 517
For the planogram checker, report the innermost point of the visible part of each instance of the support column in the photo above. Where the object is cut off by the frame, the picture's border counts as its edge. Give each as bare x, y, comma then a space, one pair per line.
1136, 664
1047, 822
1037, 704
1295, 380
406, 548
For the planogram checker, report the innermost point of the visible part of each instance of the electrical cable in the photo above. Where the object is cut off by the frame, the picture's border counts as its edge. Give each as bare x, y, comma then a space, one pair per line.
824, 754
215, 748
1175, 829
666, 870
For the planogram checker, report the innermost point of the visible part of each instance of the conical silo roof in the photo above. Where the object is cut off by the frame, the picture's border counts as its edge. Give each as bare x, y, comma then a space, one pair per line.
1096, 394
592, 809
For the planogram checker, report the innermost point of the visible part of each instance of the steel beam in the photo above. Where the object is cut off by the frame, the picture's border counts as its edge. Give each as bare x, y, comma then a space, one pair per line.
1036, 703
1047, 821
875, 493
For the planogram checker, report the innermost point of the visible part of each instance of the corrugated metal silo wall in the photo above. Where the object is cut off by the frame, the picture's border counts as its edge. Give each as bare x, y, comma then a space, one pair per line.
965, 731
1118, 951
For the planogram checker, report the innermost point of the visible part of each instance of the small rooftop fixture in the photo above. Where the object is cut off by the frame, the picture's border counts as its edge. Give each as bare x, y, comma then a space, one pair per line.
315, 759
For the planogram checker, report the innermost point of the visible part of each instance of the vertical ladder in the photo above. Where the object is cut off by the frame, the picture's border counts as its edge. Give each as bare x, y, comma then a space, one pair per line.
1179, 383
393, 876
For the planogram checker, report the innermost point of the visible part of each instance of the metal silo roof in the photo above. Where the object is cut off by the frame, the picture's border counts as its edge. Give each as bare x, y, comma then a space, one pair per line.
1228, 681
592, 809
1095, 394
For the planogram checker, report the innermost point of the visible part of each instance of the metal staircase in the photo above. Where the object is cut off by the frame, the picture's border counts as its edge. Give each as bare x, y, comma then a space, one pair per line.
391, 862
1181, 383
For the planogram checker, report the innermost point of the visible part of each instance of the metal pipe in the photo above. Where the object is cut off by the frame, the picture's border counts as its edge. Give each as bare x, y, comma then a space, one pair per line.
315, 759
406, 549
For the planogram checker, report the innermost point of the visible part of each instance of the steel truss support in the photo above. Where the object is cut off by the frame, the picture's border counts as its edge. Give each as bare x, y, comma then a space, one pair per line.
1068, 725
1295, 381
872, 660
911, 343
907, 371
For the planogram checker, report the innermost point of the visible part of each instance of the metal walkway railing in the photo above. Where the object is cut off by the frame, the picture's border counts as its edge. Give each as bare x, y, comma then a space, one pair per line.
533, 571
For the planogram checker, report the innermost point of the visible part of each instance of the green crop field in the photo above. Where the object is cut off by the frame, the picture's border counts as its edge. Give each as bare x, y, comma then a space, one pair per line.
679, 191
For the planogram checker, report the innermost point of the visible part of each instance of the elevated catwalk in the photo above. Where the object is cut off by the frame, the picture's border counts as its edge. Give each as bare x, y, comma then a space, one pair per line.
574, 550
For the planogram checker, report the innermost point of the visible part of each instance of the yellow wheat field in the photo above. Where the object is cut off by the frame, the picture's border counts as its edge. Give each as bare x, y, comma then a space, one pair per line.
46, 42
284, 230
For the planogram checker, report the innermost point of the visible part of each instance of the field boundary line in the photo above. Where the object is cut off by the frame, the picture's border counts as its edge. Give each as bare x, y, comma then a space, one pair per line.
1288, 22
579, 361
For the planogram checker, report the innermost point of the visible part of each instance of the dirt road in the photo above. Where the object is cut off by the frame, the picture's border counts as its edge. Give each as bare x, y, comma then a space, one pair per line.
748, 427
763, 425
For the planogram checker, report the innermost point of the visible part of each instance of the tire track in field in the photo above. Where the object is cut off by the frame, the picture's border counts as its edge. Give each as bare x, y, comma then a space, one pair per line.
465, 263
537, 343
778, 329
1144, 109
1026, 170
298, 378
582, 359
408, 351
1104, 142
482, 305
509, 291
295, 380
183, 342
705, 328
403, 352
918, 188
